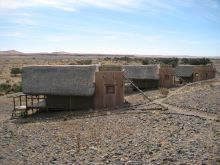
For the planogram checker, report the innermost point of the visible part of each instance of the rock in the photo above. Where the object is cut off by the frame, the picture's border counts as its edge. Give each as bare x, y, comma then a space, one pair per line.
169, 159
159, 145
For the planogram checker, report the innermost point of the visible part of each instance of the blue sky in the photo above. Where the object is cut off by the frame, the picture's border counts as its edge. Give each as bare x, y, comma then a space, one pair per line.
144, 27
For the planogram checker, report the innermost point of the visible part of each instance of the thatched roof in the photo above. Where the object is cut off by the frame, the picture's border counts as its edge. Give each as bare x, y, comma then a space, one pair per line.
184, 70
141, 72
68, 80
110, 68
187, 70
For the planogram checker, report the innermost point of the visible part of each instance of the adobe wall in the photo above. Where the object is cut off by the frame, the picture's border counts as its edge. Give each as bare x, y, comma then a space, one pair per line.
109, 91
167, 77
203, 73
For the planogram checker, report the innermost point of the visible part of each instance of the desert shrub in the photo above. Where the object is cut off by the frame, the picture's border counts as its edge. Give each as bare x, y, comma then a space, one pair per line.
169, 61
107, 58
145, 61
195, 61
125, 58
164, 91
172, 62
16, 88
15, 71
185, 61
116, 59
84, 62
5, 87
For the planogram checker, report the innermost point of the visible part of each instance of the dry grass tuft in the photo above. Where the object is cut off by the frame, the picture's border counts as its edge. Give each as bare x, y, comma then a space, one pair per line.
164, 91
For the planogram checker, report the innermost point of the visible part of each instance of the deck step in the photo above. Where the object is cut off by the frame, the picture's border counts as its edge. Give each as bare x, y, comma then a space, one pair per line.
18, 114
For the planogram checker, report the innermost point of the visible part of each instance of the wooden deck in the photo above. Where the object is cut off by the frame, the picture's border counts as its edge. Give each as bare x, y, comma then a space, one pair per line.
24, 103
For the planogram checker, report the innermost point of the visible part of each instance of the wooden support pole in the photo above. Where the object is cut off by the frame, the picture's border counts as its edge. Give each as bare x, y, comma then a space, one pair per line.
137, 88
32, 103
20, 100
26, 102
14, 102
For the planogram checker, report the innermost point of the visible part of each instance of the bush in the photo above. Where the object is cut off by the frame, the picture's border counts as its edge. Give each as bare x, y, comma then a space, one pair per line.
125, 58
15, 71
173, 62
185, 61
195, 61
84, 62
4, 87
107, 58
169, 61
145, 61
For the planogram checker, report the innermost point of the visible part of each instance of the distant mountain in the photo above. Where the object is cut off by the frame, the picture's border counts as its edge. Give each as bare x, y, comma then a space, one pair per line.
10, 52
61, 52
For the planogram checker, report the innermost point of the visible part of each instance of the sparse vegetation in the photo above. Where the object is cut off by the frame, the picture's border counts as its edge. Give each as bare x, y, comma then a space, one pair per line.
7, 88
107, 58
164, 91
145, 61
169, 61
173, 62
15, 71
81, 62
195, 61
125, 58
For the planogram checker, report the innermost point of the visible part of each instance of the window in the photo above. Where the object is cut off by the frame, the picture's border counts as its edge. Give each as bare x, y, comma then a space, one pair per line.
110, 89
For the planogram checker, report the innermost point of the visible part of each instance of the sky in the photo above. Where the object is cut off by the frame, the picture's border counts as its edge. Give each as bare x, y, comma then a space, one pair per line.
140, 27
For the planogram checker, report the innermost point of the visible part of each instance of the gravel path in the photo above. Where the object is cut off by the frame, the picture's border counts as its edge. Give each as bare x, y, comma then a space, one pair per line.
140, 135
206, 99
113, 139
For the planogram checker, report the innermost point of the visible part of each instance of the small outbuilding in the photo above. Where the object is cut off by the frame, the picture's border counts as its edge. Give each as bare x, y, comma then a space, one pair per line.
74, 86
109, 89
193, 73
143, 76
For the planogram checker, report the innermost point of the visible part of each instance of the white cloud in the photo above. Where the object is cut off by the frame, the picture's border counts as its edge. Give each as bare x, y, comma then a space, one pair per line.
73, 5
67, 5
26, 21
13, 34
